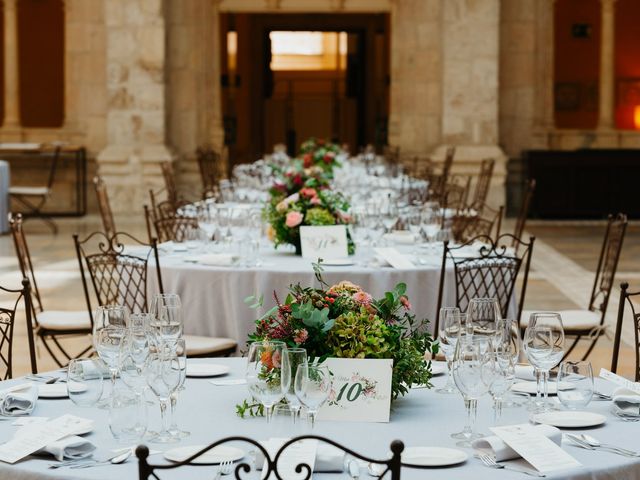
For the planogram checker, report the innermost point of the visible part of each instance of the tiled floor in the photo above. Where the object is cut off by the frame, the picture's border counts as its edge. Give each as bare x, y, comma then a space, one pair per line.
564, 262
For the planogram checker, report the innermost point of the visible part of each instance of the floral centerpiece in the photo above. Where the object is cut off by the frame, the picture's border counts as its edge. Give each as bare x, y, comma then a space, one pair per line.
302, 196
345, 321
320, 153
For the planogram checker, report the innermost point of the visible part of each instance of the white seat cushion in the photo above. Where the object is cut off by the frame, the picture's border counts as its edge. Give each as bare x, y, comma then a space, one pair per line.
35, 191
572, 320
199, 345
57, 320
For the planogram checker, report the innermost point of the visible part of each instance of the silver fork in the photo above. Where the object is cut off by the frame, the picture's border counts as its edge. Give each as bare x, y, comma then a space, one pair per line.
489, 461
223, 469
602, 396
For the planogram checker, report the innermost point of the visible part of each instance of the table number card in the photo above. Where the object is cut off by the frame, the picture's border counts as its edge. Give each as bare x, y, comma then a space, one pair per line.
395, 258
535, 448
324, 242
361, 390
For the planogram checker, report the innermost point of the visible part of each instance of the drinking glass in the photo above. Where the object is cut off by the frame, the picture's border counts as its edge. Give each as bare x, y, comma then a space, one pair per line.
110, 316
284, 422
181, 355
312, 386
166, 309
161, 300
451, 322
263, 373
502, 373
85, 381
291, 358
482, 317
127, 416
471, 372
163, 377
508, 343
544, 346
108, 344
580, 376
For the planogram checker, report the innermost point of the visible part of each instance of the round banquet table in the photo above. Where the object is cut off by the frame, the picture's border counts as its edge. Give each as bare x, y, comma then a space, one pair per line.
212, 296
421, 418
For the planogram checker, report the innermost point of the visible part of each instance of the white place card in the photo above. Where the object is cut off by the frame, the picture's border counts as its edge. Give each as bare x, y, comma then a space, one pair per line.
328, 242
38, 436
620, 381
302, 452
394, 258
361, 390
540, 451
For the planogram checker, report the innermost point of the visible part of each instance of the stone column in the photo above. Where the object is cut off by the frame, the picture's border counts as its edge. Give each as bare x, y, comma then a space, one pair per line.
471, 63
607, 67
11, 88
136, 110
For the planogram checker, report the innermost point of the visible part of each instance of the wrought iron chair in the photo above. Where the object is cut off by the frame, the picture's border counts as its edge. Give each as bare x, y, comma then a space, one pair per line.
524, 209
626, 297
482, 186
7, 323
392, 465
176, 229
34, 197
208, 161
104, 206
491, 271
48, 325
119, 275
169, 182
467, 224
589, 323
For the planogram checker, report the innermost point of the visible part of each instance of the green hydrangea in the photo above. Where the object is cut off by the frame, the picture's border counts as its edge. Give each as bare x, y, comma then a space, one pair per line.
358, 334
319, 216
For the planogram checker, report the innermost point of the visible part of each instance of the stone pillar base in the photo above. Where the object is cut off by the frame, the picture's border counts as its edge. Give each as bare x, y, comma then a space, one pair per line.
467, 161
130, 172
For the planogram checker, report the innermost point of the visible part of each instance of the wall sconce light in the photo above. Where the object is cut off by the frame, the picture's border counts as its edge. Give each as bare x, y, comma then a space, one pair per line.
636, 117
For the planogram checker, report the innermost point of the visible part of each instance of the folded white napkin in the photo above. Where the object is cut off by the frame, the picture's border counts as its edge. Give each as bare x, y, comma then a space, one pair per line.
218, 259
402, 237
328, 457
494, 445
18, 400
71, 447
525, 372
626, 401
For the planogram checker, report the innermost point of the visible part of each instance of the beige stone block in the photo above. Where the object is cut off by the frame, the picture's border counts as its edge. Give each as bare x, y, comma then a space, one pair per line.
122, 44
152, 127
117, 74
96, 132
114, 12
77, 37
151, 44
150, 98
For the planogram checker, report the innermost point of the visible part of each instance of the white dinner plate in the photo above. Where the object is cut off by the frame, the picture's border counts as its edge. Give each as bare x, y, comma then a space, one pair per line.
218, 454
53, 390
206, 370
531, 388
433, 456
569, 419
338, 262
438, 368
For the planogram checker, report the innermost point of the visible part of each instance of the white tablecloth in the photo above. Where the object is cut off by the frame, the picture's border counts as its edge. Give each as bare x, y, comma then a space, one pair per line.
5, 181
422, 418
212, 296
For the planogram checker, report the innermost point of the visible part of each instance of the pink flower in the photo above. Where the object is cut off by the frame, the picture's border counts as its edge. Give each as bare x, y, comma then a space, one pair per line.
315, 201
276, 359
308, 192
362, 298
405, 302
301, 336
294, 219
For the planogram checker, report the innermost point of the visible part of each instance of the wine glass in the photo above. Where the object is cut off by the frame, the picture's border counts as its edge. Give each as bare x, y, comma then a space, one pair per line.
482, 317
389, 215
110, 316
166, 309
180, 348
544, 346
108, 343
502, 372
471, 372
291, 358
509, 343
451, 322
579, 375
312, 386
162, 373
163, 299
263, 373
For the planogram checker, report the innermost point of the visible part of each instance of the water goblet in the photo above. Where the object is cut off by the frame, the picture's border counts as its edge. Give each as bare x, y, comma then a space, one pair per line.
163, 377
179, 346
482, 317
578, 375
263, 373
291, 359
312, 386
451, 324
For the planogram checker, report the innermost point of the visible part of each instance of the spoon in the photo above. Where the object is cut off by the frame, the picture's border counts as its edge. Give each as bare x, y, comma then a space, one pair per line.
114, 461
596, 443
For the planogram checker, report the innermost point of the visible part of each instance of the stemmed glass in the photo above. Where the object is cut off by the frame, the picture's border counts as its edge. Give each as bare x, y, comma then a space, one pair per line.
389, 214
544, 347
508, 343
482, 317
108, 343
502, 371
263, 374
162, 373
471, 372
291, 359
167, 323
180, 349
110, 316
451, 322
312, 386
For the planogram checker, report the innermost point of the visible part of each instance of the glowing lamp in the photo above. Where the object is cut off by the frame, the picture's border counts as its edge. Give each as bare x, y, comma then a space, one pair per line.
636, 117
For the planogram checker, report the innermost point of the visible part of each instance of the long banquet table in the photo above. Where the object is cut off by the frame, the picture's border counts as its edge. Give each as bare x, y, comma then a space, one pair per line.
422, 418
212, 296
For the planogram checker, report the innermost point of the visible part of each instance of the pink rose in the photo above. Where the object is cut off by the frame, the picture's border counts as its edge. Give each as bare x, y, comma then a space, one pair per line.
294, 219
405, 302
362, 298
315, 201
